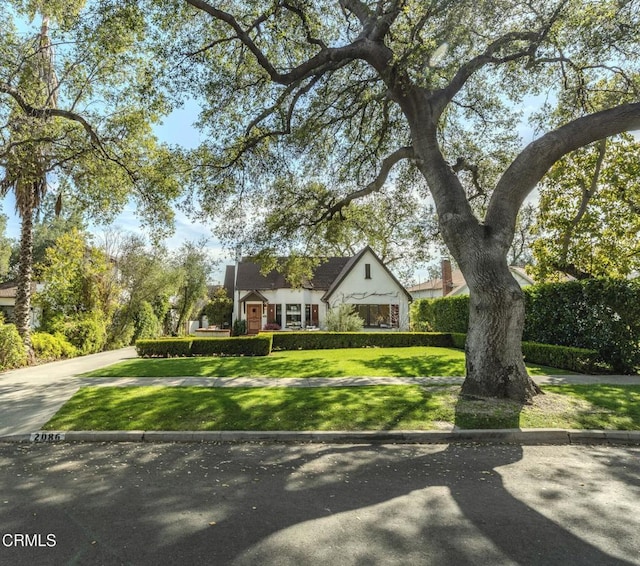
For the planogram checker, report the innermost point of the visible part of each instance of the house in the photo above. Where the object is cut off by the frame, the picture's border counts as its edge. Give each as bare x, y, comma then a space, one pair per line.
8, 302
362, 281
452, 283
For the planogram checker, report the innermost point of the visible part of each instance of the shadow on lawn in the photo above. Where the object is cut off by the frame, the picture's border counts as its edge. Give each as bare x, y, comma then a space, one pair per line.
221, 367
418, 366
484, 413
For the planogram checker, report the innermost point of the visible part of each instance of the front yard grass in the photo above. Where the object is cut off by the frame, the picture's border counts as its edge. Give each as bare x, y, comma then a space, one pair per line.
352, 362
397, 407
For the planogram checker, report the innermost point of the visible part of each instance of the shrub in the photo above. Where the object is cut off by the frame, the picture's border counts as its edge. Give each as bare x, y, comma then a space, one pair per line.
239, 327
146, 323
597, 314
332, 340
164, 348
344, 318
219, 309
51, 347
449, 314
87, 332
12, 350
271, 326
242, 346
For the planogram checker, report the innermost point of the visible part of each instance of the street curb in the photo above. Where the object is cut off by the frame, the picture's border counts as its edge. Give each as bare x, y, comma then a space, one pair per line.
491, 436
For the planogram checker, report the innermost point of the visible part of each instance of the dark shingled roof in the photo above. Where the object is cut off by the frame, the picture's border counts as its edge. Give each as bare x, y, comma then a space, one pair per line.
249, 276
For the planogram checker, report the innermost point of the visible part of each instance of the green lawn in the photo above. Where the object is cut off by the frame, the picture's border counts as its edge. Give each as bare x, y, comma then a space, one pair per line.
342, 408
375, 362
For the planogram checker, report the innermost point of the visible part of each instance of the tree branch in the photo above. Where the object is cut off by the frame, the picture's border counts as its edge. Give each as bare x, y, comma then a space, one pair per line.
526, 171
374, 186
587, 194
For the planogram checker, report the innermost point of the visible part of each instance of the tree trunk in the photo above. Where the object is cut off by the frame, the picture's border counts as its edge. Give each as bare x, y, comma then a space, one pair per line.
495, 365
22, 311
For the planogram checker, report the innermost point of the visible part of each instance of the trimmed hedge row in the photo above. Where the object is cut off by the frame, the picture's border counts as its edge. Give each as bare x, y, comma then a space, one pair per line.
186, 347
580, 360
331, 340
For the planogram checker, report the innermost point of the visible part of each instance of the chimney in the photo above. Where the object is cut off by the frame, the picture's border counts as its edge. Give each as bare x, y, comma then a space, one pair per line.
447, 279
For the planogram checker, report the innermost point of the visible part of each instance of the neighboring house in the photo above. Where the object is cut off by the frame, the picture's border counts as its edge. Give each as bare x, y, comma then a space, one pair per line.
362, 281
8, 302
452, 283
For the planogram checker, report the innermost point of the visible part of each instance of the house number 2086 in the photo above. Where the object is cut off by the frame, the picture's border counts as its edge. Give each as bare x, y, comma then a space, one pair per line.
47, 436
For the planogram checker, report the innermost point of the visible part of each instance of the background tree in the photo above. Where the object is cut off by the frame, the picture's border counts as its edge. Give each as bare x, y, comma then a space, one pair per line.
589, 218
193, 266
77, 121
78, 297
147, 281
363, 93
219, 309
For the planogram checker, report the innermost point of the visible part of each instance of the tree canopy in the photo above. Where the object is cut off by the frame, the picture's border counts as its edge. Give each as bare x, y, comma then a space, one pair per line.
360, 95
588, 224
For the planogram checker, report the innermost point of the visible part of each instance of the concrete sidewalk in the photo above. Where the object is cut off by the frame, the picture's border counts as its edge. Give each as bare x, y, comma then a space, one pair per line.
29, 397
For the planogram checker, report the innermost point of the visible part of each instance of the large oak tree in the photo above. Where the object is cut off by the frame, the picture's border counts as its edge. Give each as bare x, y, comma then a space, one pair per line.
359, 94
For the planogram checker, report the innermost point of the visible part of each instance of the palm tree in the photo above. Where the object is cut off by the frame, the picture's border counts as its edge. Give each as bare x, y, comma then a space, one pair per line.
27, 165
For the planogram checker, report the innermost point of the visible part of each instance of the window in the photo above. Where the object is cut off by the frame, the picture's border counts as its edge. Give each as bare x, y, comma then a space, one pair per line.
379, 316
367, 271
294, 316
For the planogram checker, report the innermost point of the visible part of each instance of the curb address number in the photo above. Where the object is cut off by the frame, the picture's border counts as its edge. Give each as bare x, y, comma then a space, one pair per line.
47, 436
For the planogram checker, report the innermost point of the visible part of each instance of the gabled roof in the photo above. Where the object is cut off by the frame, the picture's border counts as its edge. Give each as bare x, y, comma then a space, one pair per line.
349, 267
249, 277
254, 296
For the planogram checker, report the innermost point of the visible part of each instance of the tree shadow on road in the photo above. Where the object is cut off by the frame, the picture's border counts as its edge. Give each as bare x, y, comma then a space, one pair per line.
292, 504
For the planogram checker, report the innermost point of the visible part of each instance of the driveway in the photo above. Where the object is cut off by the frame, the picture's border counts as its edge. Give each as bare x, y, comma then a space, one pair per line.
30, 396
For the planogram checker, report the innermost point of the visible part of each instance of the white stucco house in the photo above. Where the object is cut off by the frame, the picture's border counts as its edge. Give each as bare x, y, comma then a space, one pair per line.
452, 283
362, 281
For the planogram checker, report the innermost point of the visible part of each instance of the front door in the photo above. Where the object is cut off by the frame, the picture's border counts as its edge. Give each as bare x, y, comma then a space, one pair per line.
254, 318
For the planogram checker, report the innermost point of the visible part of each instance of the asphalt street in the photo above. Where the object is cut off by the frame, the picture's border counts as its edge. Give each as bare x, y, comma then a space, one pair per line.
314, 504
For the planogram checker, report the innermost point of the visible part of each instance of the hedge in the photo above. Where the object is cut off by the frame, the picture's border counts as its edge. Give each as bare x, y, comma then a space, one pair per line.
580, 360
330, 340
164, 348
596, 314
241, 346
450, 314
186, 347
